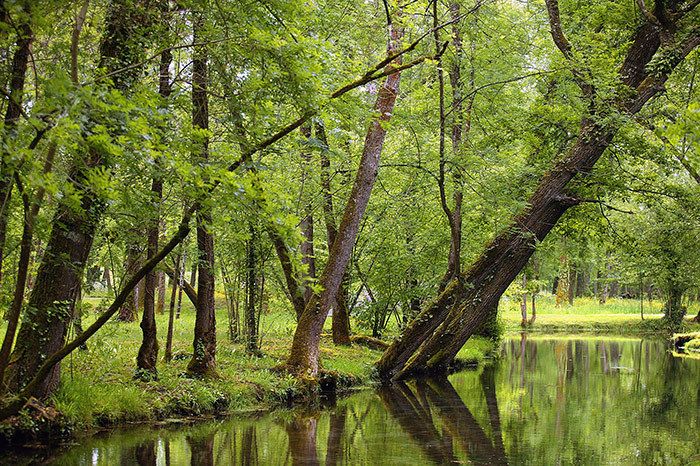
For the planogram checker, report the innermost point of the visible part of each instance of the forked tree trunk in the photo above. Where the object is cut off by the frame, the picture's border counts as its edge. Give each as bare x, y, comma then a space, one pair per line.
147, 357
304, 354
43, 331
203, 362
432, 340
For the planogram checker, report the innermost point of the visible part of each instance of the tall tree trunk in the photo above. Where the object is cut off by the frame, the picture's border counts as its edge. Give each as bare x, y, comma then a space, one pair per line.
18, 72
433, 339
341, 313
147, 357
251, 323
304, 354
43, 331
203, 362
461, 125
179, 272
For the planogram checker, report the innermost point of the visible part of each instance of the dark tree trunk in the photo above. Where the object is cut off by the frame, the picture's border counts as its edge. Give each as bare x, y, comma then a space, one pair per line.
129, 311
18, 72
433, 339
251, 322
147, 357
43, 331
304, 354
203, 362
146, 454
22, 270
179, 272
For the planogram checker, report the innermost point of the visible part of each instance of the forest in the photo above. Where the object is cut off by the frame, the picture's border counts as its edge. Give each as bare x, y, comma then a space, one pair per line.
212, 206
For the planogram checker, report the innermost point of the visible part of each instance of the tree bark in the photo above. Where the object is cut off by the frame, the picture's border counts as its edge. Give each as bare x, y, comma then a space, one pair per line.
129, 310
147, 357
18, 71
340, 324
203, 362
43, 331
438, 333
179, 268
251, 323
304, 354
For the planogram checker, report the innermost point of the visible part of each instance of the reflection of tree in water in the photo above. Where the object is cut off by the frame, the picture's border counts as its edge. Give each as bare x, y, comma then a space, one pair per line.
416, 420
414, 413
201, 449
146, 453
336, 435
302, 439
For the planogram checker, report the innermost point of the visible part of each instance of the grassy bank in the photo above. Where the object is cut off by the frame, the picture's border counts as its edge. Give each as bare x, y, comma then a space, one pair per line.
587, 315
98, 389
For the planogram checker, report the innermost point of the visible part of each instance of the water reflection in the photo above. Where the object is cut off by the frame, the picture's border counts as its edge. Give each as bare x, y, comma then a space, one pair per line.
546, 401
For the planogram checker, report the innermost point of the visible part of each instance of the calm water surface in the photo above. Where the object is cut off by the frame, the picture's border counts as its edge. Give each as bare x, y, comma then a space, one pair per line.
546, 401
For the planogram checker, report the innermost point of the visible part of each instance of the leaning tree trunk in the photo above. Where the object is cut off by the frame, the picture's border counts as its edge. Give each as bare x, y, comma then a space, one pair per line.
147, 357
304, 354
203, 362
341, 312
433, 339
43, 331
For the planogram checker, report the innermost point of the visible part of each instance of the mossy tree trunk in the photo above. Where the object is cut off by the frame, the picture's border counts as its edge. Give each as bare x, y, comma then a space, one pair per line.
203, 362
44, 328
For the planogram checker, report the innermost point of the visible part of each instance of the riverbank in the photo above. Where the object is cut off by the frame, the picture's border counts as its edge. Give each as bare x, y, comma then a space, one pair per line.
98, 390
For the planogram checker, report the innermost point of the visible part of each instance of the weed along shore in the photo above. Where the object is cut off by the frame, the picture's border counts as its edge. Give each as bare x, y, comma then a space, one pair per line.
99, 390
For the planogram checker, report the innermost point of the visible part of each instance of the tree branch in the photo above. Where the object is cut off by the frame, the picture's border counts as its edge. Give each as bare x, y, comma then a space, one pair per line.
558, 36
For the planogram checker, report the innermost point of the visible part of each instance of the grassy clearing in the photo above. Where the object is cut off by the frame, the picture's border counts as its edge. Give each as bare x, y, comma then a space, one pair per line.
617, 315
587, 306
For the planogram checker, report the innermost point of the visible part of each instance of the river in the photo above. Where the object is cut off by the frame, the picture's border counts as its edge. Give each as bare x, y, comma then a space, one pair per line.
547, 400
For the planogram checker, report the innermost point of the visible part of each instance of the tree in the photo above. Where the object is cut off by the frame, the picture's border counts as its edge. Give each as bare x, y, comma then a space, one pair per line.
44, 328
203, 362
433, 339
304, 354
